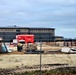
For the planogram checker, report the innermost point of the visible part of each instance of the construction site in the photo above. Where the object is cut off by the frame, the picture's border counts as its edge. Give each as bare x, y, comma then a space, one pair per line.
23, 55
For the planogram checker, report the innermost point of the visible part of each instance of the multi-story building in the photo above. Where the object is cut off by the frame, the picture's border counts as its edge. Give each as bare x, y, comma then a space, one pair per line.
59, 38
41, 34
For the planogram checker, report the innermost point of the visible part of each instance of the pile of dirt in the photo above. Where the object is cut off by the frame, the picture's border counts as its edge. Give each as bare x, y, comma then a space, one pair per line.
29, 47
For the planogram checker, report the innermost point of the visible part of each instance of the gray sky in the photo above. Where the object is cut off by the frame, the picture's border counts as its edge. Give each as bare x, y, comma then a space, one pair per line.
58, 14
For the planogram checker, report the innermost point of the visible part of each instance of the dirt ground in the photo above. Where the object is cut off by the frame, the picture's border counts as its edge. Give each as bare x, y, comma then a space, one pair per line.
12, 61
43, 48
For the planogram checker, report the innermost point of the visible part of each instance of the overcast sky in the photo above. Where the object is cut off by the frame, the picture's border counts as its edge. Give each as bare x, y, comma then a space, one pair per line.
58, 14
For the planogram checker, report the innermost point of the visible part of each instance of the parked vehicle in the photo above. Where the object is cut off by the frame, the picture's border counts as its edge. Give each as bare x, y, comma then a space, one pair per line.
34, 51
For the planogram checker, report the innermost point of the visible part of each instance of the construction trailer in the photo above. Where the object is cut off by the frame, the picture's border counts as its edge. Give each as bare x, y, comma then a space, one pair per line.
26, 38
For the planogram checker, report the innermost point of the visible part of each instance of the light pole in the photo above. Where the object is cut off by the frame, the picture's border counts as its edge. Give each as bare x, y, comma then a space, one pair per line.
40, 56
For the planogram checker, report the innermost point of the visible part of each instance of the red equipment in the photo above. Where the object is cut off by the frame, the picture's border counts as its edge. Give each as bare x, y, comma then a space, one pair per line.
27, 38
